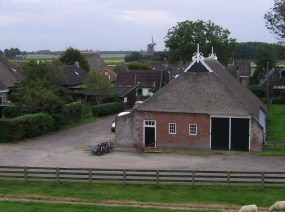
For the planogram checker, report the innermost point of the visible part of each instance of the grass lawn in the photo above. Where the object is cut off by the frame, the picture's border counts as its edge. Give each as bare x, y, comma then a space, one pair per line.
44, 207
148, 193
276, 124
114, 61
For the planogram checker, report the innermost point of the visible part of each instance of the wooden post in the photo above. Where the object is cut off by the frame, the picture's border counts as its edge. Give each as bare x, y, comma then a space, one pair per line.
90, 176
193, 178
157, 177
25, 174
57, 175
262, 179
124, 177
228, 178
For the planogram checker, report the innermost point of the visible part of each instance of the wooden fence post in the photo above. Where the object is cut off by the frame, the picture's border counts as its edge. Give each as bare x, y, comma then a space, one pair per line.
90, 176
262, 179
124, 177
193, 178
228, 178
157, 177
57, 175
26, 174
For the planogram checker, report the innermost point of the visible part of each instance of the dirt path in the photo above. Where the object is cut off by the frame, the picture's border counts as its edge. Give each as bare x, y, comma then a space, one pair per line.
122, 203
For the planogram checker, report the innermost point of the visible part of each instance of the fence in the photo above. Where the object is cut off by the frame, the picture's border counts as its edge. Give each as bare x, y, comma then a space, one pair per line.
146, 176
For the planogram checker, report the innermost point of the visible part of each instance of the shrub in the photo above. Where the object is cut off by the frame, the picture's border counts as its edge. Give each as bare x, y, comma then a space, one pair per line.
257, 90
36, 124
25, 126
13, 111
11, 130
106, 109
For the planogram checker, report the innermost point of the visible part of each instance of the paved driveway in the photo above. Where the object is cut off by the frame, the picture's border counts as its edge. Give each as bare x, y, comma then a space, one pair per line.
67, 149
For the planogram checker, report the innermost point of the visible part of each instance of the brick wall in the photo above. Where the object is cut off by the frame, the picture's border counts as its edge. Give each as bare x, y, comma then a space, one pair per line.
129, 130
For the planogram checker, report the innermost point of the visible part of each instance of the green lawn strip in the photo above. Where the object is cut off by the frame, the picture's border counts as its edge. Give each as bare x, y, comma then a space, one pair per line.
148, 193
271, 153
276, 123
8, 206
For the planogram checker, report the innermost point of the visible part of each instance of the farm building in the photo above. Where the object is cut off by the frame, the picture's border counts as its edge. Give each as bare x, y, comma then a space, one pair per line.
275, 80
203, 108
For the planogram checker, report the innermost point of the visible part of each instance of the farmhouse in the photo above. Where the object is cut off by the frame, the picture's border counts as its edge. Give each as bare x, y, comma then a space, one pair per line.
275, 80
203, 108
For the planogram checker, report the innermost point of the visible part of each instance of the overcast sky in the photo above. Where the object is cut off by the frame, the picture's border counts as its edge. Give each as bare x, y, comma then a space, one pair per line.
121, 24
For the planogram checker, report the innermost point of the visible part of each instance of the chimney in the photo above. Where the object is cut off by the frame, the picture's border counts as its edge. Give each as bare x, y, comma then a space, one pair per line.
76, 64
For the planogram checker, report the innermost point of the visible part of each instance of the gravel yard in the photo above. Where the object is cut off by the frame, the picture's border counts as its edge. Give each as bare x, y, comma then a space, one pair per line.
67, 149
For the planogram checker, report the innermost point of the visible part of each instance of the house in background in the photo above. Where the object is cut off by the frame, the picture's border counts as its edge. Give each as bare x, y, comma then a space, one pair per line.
145, 83
275, 80
3, 97
203, 108
9, 74
109, 73
241, 70
73, 76
10, 78
94, 60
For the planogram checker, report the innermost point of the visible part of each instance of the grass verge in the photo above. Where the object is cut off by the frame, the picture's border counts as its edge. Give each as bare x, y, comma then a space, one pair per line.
8, 206
276, 124
148, 193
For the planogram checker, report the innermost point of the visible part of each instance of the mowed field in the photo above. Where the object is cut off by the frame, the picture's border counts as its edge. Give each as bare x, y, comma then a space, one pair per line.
276, 124
113, 59
47, 196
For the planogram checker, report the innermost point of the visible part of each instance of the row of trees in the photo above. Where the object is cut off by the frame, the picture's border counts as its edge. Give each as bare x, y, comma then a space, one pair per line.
12, 52
42, 90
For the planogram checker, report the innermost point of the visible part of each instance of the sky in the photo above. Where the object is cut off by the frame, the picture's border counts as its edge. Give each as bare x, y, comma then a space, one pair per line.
121, 24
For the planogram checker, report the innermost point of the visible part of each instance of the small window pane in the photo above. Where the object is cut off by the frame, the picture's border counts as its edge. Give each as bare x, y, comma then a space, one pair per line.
193, 129
172, 128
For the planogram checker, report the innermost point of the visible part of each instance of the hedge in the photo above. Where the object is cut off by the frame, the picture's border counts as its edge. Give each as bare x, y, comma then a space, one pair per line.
106, 109
72, 113
25, 126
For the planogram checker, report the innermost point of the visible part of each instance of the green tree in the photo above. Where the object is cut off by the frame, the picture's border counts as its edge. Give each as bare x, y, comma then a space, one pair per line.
71, 55
275, 19
98, 85
181, 41
264, 55
134, 56
39, 90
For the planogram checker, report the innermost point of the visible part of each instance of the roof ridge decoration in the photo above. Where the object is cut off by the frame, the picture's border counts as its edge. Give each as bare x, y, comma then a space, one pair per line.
198, 58
213, 55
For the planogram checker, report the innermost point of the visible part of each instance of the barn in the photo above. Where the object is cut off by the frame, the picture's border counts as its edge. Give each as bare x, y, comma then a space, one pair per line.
203, 108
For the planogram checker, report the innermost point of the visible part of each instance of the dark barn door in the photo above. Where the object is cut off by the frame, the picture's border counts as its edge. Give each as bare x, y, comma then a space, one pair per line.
240, 134
220, 134
149, 135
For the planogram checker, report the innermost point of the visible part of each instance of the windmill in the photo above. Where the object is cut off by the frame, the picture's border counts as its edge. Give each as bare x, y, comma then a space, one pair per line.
150, 47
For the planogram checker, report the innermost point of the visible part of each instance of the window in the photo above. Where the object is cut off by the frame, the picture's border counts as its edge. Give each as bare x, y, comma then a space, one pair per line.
172, 128
149, 123
192, 129
125, 99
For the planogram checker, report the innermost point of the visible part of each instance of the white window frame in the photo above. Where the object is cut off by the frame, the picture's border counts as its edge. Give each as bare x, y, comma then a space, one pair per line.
172, 128
196, 128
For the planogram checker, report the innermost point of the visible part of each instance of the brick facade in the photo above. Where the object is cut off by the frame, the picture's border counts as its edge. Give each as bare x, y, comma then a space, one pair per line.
129, 130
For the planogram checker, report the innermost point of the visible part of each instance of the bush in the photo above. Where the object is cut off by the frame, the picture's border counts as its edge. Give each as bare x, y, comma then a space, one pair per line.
25, 126
106, 109
36, 124
73, 113
257, 90
13, 111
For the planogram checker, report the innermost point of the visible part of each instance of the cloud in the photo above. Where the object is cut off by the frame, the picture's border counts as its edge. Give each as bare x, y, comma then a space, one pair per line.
6, 20
146, 17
